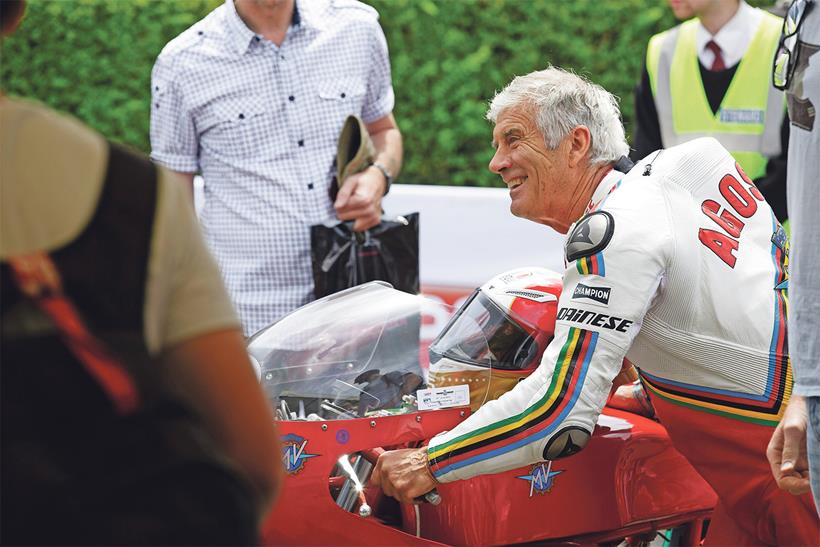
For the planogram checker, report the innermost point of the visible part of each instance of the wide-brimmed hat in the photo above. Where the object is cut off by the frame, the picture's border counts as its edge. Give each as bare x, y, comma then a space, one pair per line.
355, 151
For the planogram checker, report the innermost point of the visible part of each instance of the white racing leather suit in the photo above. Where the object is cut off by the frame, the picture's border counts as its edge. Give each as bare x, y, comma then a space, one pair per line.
688, 263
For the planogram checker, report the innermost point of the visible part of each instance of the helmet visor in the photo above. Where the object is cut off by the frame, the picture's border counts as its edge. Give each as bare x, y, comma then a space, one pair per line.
482, 334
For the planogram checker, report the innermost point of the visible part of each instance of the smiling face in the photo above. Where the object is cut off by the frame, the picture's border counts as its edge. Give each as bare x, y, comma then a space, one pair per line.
538, 178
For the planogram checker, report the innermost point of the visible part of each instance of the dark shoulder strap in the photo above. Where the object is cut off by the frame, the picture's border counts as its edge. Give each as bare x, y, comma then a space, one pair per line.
103, 272
105, 269
38, 279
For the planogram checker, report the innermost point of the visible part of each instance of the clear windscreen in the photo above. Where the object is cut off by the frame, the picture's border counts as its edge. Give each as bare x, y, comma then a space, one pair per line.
481, 334
357, 353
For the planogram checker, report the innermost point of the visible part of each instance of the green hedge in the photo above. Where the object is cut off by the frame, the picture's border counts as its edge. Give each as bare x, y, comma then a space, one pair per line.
93, 58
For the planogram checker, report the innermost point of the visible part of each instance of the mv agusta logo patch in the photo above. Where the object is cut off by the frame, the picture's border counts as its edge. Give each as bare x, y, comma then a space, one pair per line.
294, 454
541, 478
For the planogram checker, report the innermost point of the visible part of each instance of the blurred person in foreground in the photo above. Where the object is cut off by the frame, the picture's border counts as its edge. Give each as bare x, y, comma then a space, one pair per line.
130, 411
254, 97
797, 70
693, 262
710, 76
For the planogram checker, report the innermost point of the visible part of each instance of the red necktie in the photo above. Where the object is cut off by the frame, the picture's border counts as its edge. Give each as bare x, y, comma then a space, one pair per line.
718, 63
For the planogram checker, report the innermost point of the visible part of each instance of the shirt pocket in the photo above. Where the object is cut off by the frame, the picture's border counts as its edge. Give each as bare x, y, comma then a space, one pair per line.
239, 127
342, 94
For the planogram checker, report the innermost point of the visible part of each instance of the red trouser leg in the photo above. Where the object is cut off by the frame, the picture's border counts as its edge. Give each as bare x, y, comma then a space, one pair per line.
723, 530
730, 454
792, 520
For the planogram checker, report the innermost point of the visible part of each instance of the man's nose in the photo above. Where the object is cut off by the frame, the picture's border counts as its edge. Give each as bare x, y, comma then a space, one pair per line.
499, 161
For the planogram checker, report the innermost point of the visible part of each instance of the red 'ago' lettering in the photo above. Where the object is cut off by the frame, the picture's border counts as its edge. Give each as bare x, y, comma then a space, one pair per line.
720, 244
726, 220
752, 187
740, 198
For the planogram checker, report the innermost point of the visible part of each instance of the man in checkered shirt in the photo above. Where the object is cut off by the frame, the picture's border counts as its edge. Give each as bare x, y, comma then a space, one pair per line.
254, 96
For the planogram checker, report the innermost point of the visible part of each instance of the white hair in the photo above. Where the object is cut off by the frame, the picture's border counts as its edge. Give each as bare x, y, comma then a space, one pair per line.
563, 100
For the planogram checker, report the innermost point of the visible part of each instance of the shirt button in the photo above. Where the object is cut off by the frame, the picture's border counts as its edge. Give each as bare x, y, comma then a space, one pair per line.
343, 95
257, 38
291, 98
310, 186
241, 116
301, 142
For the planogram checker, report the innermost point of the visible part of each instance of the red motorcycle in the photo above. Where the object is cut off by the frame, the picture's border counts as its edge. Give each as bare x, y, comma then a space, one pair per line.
347, 375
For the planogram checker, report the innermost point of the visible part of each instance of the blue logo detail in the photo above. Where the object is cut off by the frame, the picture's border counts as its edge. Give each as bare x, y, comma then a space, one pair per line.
541, 478
741, 115
294, 454
342, 436
781, 240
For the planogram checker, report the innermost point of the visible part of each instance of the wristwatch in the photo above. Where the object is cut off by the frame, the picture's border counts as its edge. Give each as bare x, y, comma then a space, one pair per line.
388, 178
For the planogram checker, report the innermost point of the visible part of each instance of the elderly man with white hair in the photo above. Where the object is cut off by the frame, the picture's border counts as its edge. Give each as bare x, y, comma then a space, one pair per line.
694, 265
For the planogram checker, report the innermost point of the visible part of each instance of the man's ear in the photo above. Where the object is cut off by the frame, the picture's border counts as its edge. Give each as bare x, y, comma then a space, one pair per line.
578, 142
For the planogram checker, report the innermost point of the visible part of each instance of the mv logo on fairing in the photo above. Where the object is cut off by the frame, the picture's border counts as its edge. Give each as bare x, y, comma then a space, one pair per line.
294, 455
541, 478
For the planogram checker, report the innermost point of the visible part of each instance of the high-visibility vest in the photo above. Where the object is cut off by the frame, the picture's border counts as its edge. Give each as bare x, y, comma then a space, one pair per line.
750, 114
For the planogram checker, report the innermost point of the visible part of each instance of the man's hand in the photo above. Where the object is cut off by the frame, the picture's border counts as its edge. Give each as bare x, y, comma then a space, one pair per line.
787, 449
360, 199
404, 474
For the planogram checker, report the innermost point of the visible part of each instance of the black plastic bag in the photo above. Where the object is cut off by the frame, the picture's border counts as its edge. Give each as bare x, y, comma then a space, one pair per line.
388, 252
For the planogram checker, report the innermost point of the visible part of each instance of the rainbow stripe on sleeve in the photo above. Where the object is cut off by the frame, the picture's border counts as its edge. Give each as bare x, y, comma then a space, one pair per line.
534, 423
591, 265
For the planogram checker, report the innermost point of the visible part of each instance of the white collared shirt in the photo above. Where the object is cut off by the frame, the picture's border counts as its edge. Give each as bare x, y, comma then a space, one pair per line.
733, 38
260, 122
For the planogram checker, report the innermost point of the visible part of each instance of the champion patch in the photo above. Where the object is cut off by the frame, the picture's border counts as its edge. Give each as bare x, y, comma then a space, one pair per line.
590, 235
596, 294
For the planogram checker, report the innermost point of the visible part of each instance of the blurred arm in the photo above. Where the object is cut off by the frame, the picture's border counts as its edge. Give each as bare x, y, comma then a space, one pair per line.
188, 181
213, 373
192, 328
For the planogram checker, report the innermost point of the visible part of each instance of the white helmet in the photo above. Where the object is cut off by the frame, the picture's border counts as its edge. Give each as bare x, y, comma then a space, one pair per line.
498, 335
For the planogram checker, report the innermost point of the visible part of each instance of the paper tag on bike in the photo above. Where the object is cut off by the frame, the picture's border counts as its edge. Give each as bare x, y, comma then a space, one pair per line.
443, 397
